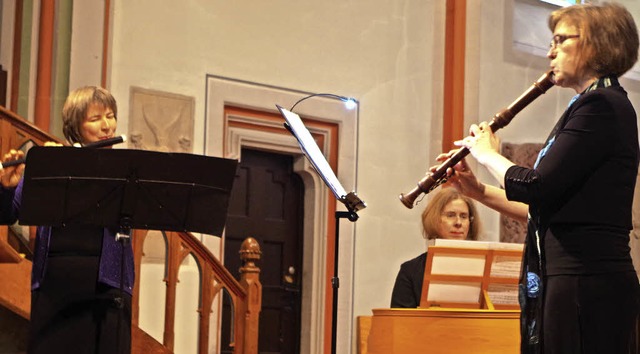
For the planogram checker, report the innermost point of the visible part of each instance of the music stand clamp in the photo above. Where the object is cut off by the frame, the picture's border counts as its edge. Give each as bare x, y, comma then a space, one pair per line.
353, 203
124, 233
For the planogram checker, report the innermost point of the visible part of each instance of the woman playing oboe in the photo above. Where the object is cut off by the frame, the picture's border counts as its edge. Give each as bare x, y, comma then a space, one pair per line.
579, 291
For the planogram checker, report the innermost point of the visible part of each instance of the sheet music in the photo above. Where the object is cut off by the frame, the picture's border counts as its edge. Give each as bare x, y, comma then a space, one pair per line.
505, 266
503, 294
467, 264
311, 149
487, 245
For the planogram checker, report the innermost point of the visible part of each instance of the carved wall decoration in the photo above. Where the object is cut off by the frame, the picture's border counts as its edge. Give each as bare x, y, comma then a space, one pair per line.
161, 121
512, 230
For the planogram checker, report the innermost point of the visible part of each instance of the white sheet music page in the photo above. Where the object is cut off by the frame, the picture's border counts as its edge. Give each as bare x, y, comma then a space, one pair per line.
311, 149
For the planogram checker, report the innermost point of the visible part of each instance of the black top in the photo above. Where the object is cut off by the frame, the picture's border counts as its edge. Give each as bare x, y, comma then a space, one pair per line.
582, 190
408, 287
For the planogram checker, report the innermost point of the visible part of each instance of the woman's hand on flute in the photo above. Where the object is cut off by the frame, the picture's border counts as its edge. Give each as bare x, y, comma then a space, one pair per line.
481, 142
52, 143
461, 177
10, 176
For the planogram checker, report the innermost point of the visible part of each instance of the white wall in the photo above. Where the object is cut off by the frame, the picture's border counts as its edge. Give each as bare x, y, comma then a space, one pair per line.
87, 43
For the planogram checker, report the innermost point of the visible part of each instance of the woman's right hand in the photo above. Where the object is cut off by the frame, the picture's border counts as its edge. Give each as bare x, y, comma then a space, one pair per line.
461, 177
10, 176
482, 143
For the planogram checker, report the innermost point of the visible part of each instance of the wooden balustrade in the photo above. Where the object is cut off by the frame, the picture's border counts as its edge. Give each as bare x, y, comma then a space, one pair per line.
245, 294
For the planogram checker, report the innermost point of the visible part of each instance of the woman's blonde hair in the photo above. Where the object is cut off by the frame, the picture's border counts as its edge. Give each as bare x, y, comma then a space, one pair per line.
432, 214
608, 36
76, 106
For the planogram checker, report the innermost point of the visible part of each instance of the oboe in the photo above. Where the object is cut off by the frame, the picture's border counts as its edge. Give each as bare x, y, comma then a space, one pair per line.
501, 119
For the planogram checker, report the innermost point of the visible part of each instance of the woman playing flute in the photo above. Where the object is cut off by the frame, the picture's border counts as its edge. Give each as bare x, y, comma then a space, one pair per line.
82, 278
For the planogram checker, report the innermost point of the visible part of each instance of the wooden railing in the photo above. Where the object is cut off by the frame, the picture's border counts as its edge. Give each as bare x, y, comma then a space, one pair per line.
245, 294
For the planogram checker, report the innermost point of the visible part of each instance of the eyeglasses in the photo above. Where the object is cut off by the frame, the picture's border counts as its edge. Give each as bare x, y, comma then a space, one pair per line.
452, 216
560, 38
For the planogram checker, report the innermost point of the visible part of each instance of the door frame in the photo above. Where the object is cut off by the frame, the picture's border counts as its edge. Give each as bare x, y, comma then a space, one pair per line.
227, 134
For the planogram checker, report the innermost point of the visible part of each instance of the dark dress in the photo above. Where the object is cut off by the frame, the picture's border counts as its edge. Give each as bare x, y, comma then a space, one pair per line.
579, 292
407, 289
81, 291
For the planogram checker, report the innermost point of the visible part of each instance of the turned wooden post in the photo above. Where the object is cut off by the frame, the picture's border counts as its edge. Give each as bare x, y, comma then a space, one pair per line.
250, 280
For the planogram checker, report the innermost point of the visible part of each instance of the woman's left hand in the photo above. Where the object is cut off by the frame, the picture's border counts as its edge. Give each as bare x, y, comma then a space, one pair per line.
461, 177
482, 142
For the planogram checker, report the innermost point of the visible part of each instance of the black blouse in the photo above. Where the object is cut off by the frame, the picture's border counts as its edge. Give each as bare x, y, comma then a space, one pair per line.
408, 287
582, 190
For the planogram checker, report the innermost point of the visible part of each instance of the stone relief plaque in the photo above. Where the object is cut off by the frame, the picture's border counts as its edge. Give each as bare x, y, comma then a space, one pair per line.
161, 121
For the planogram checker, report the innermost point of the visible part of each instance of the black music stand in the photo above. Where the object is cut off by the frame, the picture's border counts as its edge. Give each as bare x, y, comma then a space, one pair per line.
126, 189
351, 201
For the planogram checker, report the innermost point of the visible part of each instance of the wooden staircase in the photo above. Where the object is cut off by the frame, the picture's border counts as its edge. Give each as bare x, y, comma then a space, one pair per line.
15, 272
245, 293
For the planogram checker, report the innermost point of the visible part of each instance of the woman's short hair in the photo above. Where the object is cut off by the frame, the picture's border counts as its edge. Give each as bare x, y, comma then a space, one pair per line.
432, 214
608, 36
76, 106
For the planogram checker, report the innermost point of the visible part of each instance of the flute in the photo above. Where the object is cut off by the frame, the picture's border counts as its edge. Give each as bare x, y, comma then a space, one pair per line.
95, 145
501, 119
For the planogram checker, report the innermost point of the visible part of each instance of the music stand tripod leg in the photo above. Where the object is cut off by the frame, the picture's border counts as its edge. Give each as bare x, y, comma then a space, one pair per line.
335, 281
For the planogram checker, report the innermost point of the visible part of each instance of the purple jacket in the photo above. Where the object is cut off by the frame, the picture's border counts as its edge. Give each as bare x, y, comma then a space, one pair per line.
109, 271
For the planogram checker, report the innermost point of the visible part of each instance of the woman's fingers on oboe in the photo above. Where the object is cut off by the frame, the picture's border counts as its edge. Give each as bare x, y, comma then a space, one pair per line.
474, 129
484, 126
442, 157
446, 155
463, 165
450, 172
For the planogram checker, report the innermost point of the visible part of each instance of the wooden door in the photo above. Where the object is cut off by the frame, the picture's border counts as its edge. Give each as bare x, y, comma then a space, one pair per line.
267, 204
